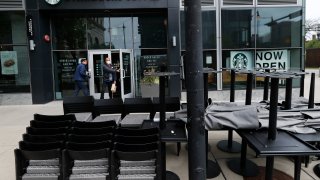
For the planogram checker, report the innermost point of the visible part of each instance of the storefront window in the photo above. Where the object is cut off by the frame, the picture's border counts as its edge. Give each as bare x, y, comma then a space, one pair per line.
110, 33
150, 31
69, 33
210, 61
65, 63
208, 29
240, 59
278, 2
279, 27
98, 35
146, 33
237, 2
149, 60
120, 31
14, 69
237, 28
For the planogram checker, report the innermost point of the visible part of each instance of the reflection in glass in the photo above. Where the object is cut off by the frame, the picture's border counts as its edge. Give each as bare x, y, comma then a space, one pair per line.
279, 27
69, 33
65, 63
97, 32
237, 28
150, 31
120, 32
158, 56
208, 29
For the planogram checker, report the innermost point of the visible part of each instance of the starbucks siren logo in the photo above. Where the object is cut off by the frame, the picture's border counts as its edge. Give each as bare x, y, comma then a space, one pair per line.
240, 61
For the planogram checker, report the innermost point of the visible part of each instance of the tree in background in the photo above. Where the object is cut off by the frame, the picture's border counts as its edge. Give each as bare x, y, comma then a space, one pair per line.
312, 27
312, 44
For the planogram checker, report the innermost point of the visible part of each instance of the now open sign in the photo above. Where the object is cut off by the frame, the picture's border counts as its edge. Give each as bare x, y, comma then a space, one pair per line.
277, 59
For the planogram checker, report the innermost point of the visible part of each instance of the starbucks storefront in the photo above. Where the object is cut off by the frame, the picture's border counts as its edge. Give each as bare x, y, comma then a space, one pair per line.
79, 28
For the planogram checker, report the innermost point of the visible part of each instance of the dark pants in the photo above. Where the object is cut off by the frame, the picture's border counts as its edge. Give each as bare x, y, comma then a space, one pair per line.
81, 85
106, 84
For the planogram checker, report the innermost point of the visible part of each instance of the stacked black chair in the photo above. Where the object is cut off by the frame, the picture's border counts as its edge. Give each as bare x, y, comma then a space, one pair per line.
54, 118
138, 105
93, 128
136, 154
133, 106
86, 164
79, 104
108, 106
172, 104
38, 164
104, 124
46, 131
39, 154
87, 153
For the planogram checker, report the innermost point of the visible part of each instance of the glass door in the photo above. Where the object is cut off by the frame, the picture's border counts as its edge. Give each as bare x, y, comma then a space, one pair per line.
95, 63
121, 59
126, 73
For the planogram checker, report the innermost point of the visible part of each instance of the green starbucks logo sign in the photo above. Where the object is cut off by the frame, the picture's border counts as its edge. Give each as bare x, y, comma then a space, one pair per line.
240, 61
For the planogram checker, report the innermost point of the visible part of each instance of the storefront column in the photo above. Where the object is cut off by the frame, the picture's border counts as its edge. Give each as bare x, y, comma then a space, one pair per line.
174, 49
40, 56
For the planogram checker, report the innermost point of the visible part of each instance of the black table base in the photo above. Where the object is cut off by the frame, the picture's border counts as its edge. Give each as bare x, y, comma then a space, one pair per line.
250, 169
225, 147
171, 176
316, 170
213, 169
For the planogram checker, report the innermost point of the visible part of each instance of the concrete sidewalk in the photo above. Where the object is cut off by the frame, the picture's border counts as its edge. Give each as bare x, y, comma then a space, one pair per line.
15, 119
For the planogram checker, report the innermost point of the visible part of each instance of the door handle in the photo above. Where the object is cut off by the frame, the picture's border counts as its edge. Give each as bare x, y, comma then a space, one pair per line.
123, 73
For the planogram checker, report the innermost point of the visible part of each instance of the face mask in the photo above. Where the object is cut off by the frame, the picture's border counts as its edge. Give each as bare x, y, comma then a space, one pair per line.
108, 62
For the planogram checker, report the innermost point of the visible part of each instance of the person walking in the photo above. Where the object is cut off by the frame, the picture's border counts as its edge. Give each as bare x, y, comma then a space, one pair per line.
109, 77
81, 77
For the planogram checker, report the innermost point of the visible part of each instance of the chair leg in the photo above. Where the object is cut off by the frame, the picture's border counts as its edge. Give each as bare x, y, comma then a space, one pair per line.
297, 168
306, 161
178, 148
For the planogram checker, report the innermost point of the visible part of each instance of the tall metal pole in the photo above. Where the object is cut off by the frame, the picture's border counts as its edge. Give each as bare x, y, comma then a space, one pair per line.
195, 92
311, 92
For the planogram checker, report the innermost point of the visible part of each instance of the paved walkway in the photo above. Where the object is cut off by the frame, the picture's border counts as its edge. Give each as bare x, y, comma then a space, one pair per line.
15, 119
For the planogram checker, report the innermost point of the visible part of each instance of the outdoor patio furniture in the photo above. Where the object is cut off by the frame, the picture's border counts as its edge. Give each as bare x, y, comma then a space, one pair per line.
136, 153
44, 138
86, 164
91, 131
79, 104
45, 124
163, 123
230, 145
125, 139
104, 124
172, 104
108, 106
138, 105
46, 131
38, 164
89, 138
271, 142
52, 118
136, 165
40, 146
85, 146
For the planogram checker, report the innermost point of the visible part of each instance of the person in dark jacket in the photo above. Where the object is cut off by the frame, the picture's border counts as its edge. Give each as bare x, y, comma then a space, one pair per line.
109, 77
81, 77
